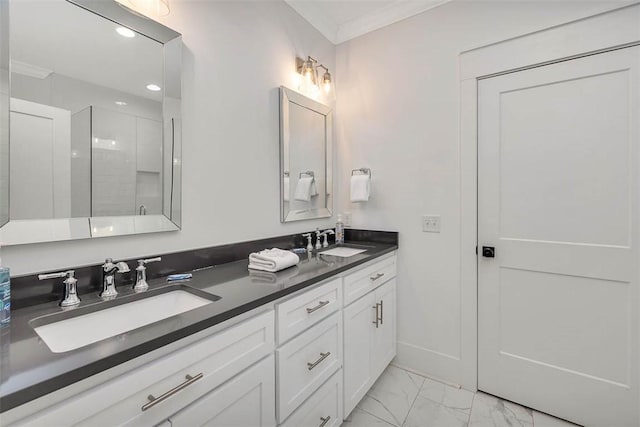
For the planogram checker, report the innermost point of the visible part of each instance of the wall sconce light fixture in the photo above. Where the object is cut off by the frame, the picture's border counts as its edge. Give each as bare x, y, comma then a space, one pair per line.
308, 68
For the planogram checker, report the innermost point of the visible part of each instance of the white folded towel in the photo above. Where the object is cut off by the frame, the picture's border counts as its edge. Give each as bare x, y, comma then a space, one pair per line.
286, 188
360, 188
303, 189
272, 260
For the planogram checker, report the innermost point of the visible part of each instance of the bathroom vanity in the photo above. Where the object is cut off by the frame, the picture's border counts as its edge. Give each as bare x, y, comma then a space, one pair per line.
299, 347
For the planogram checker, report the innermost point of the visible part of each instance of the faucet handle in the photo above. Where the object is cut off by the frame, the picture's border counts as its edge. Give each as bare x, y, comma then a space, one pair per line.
122, 267
141, 274
54, 275
70, 297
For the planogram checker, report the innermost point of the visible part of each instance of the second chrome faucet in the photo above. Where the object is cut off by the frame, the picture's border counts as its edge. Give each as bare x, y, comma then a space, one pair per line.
109, 270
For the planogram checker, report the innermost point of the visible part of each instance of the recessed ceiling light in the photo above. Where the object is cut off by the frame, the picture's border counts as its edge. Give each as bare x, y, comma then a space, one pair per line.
153, 88
125, 32
121, 103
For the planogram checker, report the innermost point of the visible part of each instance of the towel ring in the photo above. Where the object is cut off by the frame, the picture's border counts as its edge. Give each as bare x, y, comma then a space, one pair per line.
363, 171
308, 173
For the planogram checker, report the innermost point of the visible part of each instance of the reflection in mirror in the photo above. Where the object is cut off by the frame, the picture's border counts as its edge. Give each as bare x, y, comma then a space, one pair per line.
94, 123
306, 157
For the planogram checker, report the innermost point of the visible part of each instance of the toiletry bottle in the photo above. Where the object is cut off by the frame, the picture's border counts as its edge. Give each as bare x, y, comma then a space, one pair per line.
339, 230
5, 296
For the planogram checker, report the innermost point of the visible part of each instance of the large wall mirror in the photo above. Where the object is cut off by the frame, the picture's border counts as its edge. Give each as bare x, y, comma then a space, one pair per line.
306, 166
90, 121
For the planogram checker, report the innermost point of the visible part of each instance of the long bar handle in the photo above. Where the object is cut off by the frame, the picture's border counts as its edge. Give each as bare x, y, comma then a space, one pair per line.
311, 365
381, 312
155, 400
375, 307
376, 277
317, 307
52, 275
324, 420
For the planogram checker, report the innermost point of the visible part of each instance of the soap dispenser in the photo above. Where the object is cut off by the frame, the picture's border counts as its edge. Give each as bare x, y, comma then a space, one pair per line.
339, 230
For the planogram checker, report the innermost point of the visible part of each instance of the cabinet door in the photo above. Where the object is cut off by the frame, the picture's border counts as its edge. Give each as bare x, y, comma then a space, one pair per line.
247, 400
385, 334
359, 327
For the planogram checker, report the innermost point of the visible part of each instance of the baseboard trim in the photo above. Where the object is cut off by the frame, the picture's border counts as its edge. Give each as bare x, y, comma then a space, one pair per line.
428, 363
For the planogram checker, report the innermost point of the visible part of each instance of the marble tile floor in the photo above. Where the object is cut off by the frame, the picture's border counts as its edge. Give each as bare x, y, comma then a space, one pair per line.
402, 399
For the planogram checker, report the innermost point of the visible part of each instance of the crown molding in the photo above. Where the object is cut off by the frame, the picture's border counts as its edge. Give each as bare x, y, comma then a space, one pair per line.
380, 18
313, 12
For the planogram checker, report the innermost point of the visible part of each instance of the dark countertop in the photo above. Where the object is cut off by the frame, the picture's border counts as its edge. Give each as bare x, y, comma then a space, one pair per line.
30, 370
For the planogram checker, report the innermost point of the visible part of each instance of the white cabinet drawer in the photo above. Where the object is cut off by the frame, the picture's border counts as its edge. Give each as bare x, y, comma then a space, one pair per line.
362, 281
306, 362
120, 401
323, 408
299, 313
246, 400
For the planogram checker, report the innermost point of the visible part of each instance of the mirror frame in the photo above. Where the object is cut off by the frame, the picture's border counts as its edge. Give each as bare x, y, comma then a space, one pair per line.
287, 97
15, 232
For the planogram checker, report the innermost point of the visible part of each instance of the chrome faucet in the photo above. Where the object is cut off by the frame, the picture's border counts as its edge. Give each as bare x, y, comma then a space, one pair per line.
70, 298
109, 270
325, 233
141, 274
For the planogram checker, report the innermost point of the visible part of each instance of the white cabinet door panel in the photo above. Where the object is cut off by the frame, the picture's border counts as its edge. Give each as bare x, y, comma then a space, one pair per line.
385, 333
359, 355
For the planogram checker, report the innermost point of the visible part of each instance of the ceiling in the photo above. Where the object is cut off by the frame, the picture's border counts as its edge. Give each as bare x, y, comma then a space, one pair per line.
342, 20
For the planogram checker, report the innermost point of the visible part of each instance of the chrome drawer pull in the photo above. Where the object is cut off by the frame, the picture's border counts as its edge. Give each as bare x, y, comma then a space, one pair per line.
311, 365
325, 420
376, 277
155, 400
381, 312
317, 307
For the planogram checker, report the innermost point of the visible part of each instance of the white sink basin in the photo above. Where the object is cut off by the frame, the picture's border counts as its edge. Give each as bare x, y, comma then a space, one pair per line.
79, 331
343, 252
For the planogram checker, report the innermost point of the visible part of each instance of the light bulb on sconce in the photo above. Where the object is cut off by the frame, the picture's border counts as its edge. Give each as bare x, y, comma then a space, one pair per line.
326, 79
308, 81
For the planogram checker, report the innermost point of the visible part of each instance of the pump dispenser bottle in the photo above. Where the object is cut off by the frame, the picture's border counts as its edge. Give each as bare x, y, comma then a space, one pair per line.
339, 230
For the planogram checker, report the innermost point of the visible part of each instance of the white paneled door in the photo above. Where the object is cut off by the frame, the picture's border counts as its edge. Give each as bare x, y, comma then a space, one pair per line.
559, 210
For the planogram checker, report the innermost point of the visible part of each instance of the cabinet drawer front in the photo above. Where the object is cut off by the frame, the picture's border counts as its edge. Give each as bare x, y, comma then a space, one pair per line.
306, 362
120, 401
246, 400
362, 281
323, 408
299, 313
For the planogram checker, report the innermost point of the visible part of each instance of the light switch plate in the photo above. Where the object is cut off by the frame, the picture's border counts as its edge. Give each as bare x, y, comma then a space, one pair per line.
431, 223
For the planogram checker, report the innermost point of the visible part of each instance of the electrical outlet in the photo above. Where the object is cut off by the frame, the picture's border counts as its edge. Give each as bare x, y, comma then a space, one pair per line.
347, 219
431, 223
